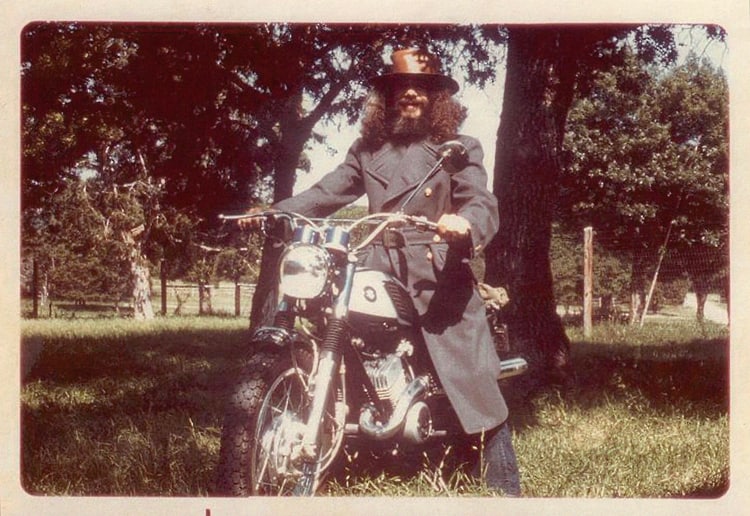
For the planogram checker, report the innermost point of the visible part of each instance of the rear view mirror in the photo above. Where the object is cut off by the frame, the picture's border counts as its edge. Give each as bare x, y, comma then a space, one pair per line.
455, 156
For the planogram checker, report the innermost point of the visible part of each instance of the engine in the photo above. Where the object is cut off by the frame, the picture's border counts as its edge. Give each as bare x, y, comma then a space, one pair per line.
389, 376
390, 373
395, 383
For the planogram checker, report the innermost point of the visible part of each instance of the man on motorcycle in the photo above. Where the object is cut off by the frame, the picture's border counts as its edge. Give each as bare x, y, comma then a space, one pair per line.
410, 112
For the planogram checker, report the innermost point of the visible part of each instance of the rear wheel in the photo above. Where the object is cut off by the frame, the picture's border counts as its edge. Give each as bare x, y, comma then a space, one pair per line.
261, 443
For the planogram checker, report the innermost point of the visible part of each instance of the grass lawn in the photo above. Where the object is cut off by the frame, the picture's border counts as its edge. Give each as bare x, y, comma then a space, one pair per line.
113, 407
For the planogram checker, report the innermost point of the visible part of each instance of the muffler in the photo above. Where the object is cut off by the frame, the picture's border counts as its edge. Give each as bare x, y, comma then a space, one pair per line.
512, 367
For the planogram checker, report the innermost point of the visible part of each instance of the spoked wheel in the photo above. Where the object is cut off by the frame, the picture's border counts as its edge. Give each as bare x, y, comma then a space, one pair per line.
262, 439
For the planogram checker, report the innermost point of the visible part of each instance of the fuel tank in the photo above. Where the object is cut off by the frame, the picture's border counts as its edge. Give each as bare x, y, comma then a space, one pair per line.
380, 299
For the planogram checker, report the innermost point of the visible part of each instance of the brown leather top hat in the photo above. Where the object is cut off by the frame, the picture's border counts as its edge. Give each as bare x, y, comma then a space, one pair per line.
418, 66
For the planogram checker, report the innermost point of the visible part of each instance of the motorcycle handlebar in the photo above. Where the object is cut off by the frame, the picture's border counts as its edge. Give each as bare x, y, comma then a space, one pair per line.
375, 218
382, 220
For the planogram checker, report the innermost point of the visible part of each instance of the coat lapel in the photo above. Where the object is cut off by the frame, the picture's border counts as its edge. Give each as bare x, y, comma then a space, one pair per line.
407, 170
378, 164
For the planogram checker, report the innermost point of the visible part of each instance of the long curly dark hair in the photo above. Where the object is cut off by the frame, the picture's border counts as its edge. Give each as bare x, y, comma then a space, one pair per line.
445, 116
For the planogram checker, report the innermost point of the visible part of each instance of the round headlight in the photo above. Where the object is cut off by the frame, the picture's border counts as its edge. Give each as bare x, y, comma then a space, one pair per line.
304, 271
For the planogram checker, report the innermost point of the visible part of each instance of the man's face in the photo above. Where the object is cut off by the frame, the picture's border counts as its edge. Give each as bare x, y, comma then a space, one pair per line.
409, 110
410, 101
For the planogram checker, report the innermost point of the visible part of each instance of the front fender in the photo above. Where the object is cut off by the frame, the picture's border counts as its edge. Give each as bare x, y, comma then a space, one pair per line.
274, 337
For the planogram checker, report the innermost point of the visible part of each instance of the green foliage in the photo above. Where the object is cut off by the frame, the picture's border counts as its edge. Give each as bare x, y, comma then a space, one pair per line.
206, 106
670, 292
89, 242
350, 212
611, 272
204, 111
647, 150
79, 257
234, 265
566, 258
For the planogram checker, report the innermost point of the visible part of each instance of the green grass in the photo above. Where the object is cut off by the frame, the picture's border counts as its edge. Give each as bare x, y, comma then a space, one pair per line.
114, 407
117, 407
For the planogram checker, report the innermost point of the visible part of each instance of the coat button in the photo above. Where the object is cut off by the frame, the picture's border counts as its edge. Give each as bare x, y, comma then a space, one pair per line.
429, 256
427, 191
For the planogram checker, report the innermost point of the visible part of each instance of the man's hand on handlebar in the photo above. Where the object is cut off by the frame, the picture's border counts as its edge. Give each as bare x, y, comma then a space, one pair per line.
453, 228
254, 223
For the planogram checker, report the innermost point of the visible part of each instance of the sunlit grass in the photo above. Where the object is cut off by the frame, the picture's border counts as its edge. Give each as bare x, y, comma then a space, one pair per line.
116, 407
623, 448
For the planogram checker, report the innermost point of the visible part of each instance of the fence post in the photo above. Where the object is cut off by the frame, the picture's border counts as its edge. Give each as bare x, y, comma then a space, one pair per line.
237, 308
163, 277
588, 280
35, 289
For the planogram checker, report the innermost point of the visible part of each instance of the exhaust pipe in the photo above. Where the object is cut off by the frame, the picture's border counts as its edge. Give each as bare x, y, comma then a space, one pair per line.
373, 428
369, 425
512, 367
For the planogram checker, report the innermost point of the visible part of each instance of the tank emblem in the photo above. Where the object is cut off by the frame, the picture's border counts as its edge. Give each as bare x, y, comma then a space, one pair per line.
370, 294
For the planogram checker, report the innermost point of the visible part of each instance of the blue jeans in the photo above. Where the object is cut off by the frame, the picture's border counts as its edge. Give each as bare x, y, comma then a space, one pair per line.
500, 466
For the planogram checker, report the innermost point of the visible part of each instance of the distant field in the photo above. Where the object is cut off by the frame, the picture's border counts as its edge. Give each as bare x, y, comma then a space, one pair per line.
114, 407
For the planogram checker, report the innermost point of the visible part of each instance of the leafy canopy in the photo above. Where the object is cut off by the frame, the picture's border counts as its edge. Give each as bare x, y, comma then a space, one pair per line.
647, 149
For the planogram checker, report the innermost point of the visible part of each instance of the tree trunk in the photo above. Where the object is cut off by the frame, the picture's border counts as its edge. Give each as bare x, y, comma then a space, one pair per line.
140, 277
44, 294
291, 146
265, 296
142, 307
208, 307
637, 288
700, 308
701, 285
538, 94
180, 300
295, 131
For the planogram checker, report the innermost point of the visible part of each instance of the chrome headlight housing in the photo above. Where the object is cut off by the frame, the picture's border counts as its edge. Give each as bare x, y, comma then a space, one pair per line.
304, 271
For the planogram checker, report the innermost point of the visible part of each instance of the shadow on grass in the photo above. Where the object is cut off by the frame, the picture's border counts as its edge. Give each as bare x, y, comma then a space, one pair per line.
139, 397
85, 393
696, 372
693, 376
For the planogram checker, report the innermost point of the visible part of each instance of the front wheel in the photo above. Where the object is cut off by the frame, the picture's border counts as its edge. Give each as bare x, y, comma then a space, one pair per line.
261, 442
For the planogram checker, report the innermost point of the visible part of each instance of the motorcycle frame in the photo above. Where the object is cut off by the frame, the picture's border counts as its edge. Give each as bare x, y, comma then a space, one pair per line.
329, 357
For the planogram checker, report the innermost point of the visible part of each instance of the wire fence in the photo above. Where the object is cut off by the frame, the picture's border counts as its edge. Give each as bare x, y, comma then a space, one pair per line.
631, 281
680, 269
193, 299
704, 263
178, 299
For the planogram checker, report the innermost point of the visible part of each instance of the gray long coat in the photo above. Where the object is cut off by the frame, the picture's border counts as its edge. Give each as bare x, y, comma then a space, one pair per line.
439, 278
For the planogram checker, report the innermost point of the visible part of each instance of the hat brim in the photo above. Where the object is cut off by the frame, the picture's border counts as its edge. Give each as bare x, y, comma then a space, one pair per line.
428, 80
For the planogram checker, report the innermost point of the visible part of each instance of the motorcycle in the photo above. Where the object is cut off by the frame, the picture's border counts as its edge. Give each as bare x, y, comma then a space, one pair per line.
343, 360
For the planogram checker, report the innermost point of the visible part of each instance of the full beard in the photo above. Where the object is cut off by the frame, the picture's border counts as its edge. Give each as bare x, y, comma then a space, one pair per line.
407, 128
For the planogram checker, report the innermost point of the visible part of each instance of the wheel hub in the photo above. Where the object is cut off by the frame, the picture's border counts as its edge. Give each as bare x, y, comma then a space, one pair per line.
282, 446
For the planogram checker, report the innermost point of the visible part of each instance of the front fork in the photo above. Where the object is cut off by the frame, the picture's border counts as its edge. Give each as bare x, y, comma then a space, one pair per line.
332, 351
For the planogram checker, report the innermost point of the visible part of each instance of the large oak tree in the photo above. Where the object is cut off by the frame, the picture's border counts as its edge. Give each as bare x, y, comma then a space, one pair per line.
546, 66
